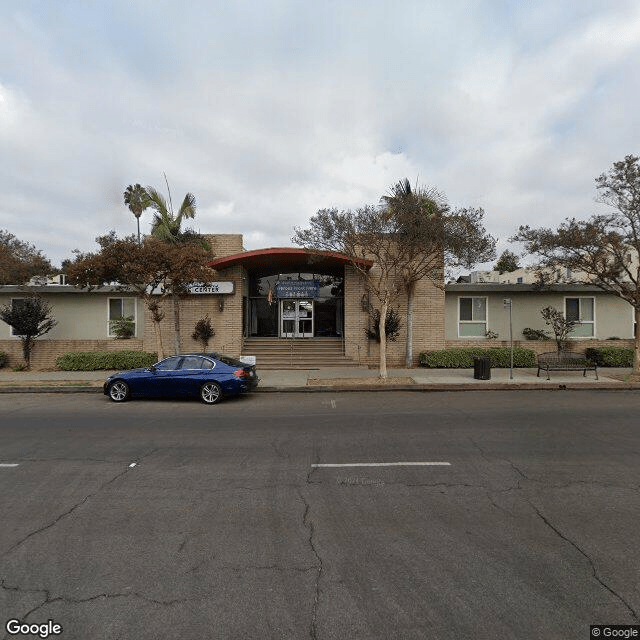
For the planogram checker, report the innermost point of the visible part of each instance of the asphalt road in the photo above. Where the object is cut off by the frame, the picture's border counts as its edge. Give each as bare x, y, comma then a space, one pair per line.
171, 519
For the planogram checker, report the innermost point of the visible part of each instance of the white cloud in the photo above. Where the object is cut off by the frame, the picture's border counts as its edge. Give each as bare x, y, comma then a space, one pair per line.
269, 115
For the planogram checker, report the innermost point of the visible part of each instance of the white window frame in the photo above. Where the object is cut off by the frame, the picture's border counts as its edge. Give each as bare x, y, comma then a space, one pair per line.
582, 322
485, 321
110, 334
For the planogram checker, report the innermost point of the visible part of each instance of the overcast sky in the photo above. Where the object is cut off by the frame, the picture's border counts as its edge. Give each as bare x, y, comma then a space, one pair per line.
268, 110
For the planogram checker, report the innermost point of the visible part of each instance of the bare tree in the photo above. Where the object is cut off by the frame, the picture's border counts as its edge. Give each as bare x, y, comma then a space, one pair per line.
408, 239
604, 249
428, 236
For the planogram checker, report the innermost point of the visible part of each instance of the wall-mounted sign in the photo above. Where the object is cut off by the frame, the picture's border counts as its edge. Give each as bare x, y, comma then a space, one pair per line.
298, 289
211, 287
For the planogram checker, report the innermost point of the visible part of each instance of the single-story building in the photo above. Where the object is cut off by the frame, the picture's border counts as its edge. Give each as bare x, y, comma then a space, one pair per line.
290, 308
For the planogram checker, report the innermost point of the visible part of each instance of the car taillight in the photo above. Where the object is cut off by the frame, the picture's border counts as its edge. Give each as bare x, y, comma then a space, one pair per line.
241, 373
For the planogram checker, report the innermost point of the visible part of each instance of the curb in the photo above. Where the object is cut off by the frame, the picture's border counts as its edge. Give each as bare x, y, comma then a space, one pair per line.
416, 388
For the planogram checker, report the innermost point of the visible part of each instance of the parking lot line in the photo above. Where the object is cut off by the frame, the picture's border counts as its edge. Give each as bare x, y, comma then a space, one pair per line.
383, 464
7, 464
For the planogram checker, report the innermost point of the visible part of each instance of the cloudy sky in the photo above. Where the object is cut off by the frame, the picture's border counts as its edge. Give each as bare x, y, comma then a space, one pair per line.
268, 110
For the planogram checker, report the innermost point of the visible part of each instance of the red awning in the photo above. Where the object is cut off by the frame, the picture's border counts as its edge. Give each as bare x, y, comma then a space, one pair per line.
286, 259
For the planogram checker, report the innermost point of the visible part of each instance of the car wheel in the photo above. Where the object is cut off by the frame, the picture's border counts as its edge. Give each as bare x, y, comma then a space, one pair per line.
210, 393
119, 391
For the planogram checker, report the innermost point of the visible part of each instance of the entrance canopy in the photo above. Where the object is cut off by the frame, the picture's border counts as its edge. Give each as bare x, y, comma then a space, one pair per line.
285, 259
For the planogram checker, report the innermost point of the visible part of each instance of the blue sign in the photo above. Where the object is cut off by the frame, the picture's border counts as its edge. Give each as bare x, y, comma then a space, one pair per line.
298, 289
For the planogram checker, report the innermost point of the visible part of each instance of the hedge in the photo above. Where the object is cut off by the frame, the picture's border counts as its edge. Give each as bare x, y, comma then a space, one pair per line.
99, 360
610, 356
462, 357
3, 359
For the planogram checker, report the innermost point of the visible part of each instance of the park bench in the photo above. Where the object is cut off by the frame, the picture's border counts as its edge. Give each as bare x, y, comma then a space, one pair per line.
565, 361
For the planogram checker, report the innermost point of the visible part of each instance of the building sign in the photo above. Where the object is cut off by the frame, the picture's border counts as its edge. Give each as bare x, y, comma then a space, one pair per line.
298, 289
211, 287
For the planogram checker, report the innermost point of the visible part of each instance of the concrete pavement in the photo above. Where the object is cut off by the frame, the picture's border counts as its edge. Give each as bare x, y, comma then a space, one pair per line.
347, 379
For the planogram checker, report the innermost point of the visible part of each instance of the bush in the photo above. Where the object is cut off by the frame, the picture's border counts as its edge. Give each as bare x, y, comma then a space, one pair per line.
535, 334
611, 356
123, 328
391, 326
462, 357
4, 358
105, 360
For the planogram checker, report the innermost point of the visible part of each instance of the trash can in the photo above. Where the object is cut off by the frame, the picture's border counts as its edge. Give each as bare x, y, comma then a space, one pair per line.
482, 368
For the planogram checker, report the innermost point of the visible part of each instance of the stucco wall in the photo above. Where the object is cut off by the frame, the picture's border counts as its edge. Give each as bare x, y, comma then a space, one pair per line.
80, 315
613, 316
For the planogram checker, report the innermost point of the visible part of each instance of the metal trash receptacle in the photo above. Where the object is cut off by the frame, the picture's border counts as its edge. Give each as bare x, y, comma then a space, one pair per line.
482, 368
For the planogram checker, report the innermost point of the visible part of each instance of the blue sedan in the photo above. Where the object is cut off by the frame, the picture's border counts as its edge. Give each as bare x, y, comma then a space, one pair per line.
207, 376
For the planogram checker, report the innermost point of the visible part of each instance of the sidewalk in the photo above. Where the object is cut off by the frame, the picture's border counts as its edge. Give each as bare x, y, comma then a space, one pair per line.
348, 379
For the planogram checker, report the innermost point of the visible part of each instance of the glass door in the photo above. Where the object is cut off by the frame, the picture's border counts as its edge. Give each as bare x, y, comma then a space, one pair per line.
296, 319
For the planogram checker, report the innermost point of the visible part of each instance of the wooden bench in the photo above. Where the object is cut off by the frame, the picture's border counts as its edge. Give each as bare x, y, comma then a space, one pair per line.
565, 361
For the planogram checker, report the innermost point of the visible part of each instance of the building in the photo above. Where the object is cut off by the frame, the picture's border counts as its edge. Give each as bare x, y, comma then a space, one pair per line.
290, 308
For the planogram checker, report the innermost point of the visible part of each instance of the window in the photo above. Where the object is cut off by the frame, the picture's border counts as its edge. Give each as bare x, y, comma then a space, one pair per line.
16, 303
472, 317
582, 311
121, 308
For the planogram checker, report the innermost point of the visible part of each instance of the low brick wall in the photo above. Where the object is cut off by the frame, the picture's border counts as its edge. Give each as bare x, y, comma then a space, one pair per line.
46, 352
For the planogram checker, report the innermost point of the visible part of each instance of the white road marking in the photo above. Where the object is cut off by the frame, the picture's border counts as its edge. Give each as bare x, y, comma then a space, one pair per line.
6, 464
384, 464
333, 404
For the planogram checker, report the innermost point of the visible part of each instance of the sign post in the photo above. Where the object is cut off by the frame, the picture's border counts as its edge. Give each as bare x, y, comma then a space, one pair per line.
507, 302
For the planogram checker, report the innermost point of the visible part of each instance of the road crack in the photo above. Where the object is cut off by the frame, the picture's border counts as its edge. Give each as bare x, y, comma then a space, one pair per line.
585, 555
75, 507
308, 523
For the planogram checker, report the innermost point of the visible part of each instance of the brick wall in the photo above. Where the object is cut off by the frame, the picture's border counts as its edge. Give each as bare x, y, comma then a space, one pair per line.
227, 323
428, 321
45, 352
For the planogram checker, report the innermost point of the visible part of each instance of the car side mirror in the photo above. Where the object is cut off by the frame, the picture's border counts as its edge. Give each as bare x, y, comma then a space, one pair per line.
153, 368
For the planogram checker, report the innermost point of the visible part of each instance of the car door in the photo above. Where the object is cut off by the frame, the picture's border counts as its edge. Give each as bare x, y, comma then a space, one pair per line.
161, 380
188, 378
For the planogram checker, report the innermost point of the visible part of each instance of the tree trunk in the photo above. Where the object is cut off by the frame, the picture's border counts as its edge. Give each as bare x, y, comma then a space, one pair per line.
411, 289
158, 334
176, 323
636, 351
27, 346
383, 338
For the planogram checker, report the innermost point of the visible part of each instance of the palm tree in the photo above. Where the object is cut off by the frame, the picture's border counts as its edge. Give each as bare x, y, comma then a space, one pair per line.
137, 199
166, 226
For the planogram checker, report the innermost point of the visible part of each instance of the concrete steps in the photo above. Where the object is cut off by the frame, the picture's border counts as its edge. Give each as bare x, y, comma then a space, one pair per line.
297, 353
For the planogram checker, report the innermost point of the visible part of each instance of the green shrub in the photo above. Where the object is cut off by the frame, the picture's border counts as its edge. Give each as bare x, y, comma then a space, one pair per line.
611, 356
4, 358
123, 328
105, 360
535, 334
462, 357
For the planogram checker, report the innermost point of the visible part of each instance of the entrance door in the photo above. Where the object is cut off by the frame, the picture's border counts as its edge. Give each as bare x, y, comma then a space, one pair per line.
296, 318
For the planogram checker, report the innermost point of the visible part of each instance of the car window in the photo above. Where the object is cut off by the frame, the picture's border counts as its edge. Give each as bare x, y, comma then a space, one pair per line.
207, 364
169, 364
232, 362
191, 362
